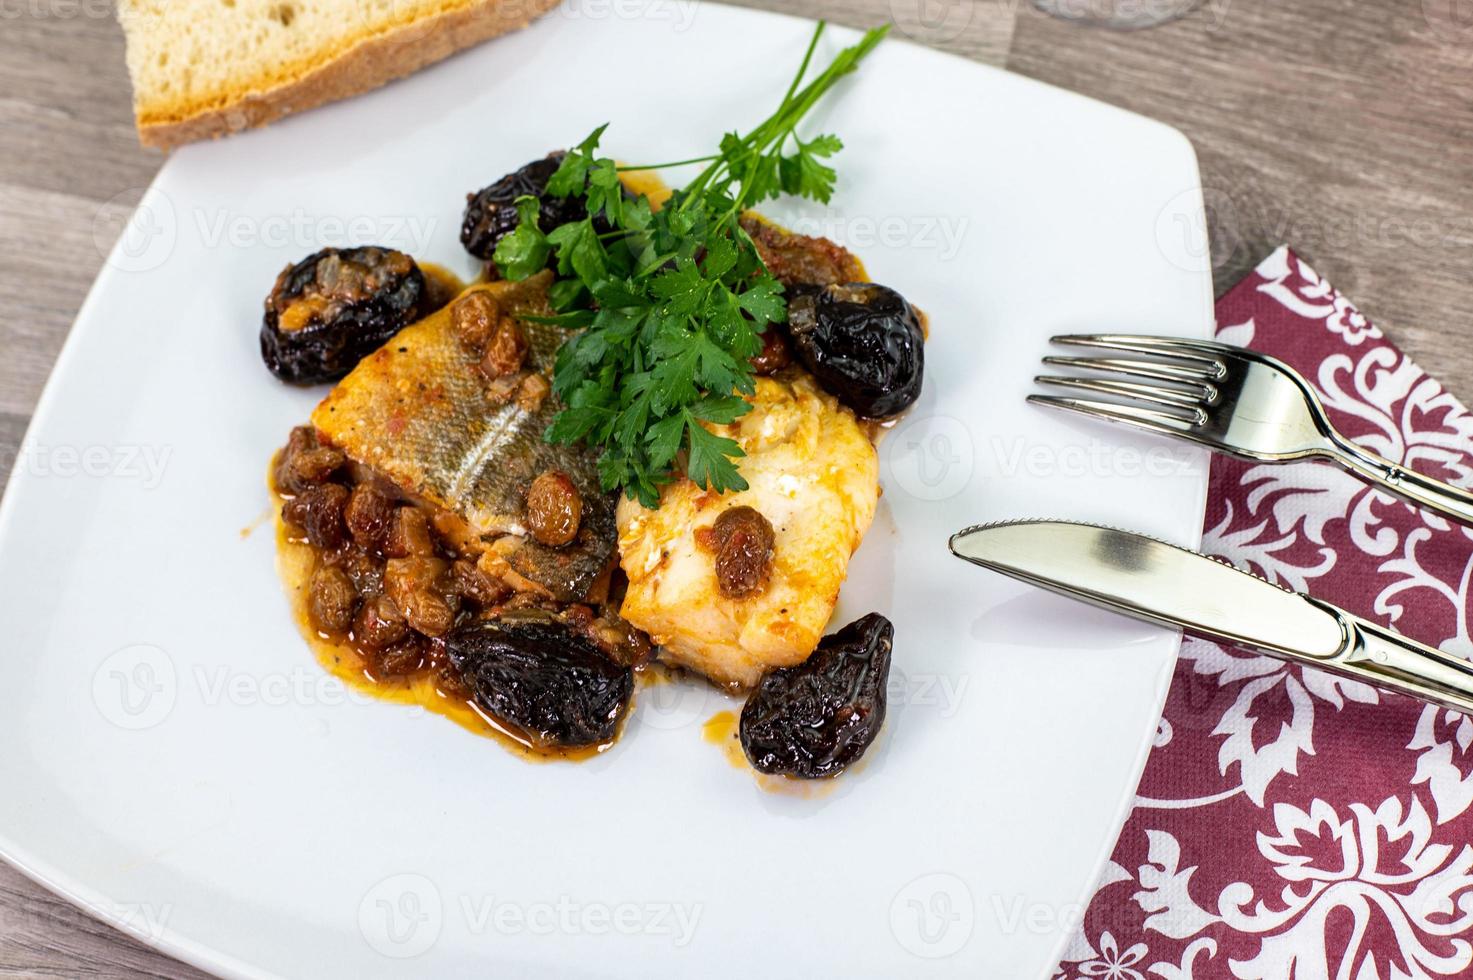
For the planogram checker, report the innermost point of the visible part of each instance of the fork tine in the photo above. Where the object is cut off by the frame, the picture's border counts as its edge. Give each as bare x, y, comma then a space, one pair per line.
1149, 370
1163, 423
1205, 352
1153, 394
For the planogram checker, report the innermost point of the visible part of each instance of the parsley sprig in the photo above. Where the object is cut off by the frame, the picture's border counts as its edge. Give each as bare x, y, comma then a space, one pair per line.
671, 303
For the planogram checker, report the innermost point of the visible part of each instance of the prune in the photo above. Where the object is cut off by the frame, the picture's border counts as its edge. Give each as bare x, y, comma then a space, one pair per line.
554, 509
336, 306
818, 717
491, 212
541, 678
863, 343
743, 541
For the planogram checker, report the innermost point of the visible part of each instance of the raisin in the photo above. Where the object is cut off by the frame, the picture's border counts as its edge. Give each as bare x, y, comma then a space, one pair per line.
404, 658
542, 679
774, 355
474, 318
469, 582
554, 509
412, 584
379, 623
365, 570
817, 718
319, 512
506, 351
330, 599
409, 535
303, 462
620, 641
368, 516
743, 540
316, 465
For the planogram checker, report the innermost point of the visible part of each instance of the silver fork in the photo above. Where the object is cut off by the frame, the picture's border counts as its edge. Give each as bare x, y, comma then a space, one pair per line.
1232, 400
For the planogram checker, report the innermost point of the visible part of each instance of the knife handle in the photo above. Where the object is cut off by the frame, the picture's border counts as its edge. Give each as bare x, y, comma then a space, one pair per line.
1378, 656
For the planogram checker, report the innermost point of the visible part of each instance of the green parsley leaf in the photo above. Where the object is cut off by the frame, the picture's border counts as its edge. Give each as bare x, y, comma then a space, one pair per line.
670, 304
525, 251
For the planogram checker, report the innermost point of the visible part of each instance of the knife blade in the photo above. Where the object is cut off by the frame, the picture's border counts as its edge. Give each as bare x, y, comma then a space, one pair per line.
1147, 579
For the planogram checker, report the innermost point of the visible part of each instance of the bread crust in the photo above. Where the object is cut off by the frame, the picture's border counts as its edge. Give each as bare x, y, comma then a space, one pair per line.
369, 63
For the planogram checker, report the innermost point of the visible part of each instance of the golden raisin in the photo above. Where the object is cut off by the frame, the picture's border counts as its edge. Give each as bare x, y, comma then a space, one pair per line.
506, 350
554, 509
774, 355
331, 597
474, 318
744, 541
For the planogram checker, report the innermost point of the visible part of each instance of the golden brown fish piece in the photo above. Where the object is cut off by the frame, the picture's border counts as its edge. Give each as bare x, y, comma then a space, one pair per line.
421, 415
813, 474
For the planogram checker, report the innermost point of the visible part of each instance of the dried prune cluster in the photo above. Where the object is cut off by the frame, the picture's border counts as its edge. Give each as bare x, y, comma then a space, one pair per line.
864, 344
335, 307
817, 718
543, 679
491, 212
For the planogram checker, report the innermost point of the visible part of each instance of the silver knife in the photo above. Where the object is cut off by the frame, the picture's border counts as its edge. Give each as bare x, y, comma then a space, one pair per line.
1161, 583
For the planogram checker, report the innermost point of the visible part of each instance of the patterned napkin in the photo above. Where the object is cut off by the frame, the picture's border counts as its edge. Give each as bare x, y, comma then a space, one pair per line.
1292, 825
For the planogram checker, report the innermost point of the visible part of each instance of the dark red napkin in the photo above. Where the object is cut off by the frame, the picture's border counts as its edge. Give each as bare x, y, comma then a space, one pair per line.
1292, 825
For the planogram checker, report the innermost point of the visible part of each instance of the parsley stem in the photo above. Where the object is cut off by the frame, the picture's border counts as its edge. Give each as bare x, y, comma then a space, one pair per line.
673, 163
807, 57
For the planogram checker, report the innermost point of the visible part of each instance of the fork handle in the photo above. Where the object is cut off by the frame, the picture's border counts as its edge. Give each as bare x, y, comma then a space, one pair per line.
1407, 484
1378, 656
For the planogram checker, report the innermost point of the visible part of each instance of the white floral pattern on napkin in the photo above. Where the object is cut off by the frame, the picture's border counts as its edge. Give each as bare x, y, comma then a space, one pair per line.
1293, 825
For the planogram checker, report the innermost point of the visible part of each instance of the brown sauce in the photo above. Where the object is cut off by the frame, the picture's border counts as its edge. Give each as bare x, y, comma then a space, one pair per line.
296, 559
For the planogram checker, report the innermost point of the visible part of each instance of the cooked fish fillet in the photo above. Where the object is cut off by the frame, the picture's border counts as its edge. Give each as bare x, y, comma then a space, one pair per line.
416, 413
814, 475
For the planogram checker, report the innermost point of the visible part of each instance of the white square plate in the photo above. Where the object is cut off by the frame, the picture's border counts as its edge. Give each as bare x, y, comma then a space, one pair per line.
176, 761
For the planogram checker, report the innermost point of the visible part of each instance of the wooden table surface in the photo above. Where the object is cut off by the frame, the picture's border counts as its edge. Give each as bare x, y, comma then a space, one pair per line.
1343, 127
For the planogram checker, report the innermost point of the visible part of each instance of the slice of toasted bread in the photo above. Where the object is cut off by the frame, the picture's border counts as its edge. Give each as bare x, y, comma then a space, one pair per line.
204, 68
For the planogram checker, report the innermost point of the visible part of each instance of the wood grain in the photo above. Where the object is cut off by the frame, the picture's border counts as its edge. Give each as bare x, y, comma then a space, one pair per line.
1351, 144
1339, 126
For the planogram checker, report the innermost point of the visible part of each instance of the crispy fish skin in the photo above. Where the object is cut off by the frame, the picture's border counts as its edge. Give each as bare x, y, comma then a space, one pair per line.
416, 413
